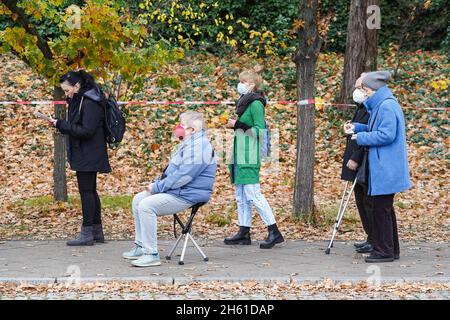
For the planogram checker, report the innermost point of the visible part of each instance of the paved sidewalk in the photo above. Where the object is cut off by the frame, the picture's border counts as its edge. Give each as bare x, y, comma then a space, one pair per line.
297, 261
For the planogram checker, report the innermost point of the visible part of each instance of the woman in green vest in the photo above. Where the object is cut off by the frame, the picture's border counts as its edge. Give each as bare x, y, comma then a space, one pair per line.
246, 161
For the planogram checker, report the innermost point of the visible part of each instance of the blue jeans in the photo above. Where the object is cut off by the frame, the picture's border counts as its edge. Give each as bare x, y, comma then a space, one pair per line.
146, 208
248, 195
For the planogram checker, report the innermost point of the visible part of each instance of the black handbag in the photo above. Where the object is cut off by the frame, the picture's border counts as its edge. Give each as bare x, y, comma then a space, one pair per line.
362, 176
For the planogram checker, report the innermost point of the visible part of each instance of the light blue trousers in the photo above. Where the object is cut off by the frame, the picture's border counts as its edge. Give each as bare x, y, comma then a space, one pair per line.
248, 195
146, 208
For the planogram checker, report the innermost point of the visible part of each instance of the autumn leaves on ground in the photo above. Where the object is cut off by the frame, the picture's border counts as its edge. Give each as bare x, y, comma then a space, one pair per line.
26, 149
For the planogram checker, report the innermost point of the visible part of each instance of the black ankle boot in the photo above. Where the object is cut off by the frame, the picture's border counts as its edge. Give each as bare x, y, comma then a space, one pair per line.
242, 237
86, 238
273, 238
98, 233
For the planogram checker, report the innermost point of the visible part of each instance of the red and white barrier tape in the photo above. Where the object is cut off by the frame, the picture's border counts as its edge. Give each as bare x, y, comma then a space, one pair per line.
154, 102
207, 102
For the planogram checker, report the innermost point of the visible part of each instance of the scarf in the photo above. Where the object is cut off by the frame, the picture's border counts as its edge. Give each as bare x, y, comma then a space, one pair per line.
245, 100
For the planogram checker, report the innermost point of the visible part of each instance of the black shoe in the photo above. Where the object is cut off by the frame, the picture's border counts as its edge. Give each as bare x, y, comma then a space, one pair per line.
358, 245
242, 237
86, 237
397, 256
366, 249
273, 238
98, 233
375, 258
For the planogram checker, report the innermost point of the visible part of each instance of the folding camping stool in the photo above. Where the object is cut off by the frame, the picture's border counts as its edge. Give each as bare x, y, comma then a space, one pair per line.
186, 233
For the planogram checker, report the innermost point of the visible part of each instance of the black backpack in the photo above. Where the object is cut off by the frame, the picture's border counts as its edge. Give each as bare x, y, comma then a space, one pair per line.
114, 122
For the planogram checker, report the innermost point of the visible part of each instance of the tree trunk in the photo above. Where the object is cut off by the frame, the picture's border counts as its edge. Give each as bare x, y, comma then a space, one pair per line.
59, 164
305, 59
59, 157
361, 47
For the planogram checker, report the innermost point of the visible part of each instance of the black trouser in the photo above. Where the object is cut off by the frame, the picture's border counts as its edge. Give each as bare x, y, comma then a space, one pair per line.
385, 233
90, 201
365, 208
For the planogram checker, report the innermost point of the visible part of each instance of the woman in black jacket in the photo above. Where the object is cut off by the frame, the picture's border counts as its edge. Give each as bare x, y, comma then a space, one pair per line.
86, 150
353, 156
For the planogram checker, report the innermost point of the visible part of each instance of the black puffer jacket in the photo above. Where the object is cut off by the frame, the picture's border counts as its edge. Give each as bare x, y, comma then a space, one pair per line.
86, 148
352, 150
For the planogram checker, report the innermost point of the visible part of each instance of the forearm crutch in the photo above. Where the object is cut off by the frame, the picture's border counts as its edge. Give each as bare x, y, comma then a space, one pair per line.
340, 214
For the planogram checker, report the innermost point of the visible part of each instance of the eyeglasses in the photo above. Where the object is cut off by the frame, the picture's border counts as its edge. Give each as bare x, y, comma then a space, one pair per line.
185, 127
360, 87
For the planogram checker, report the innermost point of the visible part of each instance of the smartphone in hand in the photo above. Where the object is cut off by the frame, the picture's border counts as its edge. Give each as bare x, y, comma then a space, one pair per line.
42, 116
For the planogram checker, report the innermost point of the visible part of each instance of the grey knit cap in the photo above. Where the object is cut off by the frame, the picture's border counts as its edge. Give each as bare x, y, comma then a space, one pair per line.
376, 79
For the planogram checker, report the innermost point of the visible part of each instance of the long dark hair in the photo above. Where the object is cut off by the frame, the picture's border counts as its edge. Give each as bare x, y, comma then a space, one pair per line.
85, 80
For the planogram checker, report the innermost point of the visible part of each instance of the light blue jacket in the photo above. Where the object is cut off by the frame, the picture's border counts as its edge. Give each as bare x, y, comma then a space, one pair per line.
191, 171
388, 162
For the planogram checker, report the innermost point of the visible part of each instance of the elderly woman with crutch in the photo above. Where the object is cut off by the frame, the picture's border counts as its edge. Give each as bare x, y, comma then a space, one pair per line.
387, 171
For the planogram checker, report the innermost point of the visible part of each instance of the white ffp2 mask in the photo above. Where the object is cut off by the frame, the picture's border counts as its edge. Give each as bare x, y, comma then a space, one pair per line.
359, 96
242, 88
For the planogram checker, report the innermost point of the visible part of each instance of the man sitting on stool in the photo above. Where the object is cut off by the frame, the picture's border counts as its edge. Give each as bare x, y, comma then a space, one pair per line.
188, 179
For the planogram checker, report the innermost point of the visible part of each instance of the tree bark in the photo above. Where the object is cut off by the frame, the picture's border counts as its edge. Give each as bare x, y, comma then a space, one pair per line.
361, 47
59, 155
305, 58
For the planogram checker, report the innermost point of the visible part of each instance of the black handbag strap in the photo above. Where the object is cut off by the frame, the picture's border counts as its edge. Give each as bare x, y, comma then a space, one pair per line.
366, 150
373, 122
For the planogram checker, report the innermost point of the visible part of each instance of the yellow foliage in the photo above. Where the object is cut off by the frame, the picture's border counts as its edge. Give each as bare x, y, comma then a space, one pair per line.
4, 10
189, 20
219, 37
21, 80
320, 103
223, 118
440, 85
254, 33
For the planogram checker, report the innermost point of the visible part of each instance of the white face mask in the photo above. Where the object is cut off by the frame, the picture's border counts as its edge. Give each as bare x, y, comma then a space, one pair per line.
359, 96
242, 88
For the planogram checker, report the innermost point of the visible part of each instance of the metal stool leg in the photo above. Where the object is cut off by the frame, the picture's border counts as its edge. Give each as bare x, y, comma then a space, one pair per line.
169, 256
186, 238
186, 233
205, 258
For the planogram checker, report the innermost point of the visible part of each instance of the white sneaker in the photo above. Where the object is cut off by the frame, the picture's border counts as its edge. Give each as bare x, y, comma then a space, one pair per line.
147, 260
133, 254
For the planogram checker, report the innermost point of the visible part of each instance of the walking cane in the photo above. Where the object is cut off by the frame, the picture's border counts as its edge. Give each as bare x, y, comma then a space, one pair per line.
340, 214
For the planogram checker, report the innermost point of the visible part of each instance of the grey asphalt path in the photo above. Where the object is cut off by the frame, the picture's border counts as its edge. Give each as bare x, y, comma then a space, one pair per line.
295, 261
